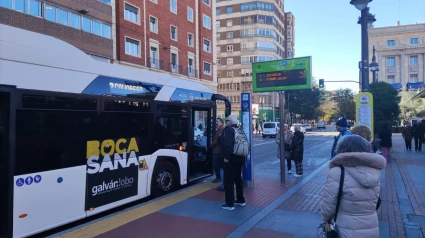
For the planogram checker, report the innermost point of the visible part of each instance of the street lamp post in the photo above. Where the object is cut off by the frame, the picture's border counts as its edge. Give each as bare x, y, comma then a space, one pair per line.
365, 21
374, 67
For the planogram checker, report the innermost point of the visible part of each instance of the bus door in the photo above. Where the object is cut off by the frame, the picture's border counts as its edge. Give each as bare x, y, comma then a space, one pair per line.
4, 158
200, 155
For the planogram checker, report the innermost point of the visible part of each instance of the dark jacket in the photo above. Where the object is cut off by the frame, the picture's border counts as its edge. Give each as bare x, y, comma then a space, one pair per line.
227, 143
416, 131
422, 129
407, 133
215, 145
297, 146
385, 136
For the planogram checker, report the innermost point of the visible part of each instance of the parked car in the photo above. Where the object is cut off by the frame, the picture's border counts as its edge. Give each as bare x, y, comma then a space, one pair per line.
321, 125
270, 129
302, 129
308, 127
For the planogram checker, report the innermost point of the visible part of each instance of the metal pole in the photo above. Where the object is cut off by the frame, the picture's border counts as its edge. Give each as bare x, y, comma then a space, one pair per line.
365, 51
282, 138
273, 107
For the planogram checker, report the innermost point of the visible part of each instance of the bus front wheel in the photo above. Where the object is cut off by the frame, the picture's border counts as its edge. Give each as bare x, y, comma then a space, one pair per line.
164, 179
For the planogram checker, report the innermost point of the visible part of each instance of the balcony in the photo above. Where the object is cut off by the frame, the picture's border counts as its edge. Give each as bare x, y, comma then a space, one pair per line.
175, 68
155, 63
191, 72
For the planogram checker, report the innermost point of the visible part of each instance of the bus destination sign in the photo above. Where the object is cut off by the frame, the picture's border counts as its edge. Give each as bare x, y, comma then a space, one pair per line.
282, 75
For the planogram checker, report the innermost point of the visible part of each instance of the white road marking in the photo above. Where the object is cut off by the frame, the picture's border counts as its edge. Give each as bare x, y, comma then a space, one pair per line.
265, 143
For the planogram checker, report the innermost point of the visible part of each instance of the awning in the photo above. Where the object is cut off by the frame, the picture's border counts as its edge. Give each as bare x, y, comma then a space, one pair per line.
396, 85
415, 85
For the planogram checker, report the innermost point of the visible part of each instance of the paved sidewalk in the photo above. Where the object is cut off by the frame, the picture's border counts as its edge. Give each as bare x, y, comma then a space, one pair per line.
275, 211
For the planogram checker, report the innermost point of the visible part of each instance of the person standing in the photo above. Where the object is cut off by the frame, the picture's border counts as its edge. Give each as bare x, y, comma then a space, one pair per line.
407, 134
422, 132
217, 160
288, 141
364, 132
386, 141
232, 166
341, 126
417, 136
297, 147
361, 172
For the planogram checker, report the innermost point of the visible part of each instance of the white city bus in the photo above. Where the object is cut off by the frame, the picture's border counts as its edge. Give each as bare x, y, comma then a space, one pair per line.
79, 136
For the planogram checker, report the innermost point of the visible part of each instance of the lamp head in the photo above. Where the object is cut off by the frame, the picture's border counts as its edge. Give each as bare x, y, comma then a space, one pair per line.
360, 4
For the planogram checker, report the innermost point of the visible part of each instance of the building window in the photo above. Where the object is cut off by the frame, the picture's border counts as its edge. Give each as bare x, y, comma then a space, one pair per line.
174, 63
218, 61
413, 78
154, 58
132, 47
229, 73
106, 31
230, 22
190, 39
97, 30
35, 8
190, 67
206, 2
190, 14
217, 24
206, 21
6, 3
20, 5
391, 79
229, 10
173, 6
173, 33
390, 61
229, 35
207, 44
230, 48
154, 1
413, 60
391, 43
131, 13
50, 13
153, 24
414, 41
229, 61
62, 17
217, 11
207, 68
75, 21
87, 24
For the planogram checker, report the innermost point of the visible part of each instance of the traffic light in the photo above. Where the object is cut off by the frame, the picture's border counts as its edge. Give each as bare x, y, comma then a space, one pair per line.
321, 83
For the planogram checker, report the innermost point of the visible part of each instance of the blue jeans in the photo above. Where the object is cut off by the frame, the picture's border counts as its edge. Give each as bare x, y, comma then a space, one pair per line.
222, 178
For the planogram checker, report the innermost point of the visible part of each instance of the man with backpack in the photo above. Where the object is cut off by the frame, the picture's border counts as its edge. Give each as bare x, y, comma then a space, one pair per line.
341, 126
233, 151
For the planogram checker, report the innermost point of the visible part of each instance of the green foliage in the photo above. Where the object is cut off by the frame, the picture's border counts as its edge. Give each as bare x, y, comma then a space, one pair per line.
385, 104
344, 103
306, 102
409, 108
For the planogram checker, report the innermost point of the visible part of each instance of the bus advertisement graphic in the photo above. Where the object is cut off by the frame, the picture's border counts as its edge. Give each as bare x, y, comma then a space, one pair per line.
112, 171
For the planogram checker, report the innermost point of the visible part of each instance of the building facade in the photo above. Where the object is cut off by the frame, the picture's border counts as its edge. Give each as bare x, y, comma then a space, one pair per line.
400, 53
247, 32
173, 36
84, 24
290, 34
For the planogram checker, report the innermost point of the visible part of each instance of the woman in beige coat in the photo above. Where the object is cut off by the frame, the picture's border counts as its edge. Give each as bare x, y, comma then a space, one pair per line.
288, 140
357, 211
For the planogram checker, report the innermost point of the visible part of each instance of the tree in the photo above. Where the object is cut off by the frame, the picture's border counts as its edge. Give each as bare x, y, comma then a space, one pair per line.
385, 104
409, 108
306, 102
345, 103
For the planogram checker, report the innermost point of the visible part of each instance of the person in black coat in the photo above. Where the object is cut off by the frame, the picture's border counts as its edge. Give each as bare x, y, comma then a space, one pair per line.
386, 143
417, 136
298, 151
232, 166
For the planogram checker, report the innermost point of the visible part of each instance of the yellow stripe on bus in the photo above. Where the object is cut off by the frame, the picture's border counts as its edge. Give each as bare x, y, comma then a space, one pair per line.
118, 220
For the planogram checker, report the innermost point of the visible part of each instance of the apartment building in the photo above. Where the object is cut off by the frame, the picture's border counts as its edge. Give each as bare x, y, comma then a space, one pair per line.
84, 24
400, 53
247, 32
290, 34
173, 36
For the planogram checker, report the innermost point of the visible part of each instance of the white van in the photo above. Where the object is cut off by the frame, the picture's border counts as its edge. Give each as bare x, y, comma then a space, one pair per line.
321, 125
270, 129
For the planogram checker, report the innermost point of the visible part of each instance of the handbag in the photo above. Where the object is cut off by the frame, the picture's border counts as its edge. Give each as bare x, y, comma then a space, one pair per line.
329, 229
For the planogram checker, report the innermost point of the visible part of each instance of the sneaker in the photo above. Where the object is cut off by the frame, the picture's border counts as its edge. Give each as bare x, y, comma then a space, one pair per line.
289, 172
217, 180
242, 204
298, 175
225, 207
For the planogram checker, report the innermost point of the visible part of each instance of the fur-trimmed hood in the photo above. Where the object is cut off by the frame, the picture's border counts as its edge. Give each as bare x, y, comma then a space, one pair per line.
363, 167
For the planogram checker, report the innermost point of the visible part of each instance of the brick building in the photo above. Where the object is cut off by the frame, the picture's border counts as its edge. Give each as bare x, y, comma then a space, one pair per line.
174, 36
84, 24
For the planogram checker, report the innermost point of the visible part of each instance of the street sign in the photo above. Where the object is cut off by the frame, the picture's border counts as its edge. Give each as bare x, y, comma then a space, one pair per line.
246, 117
364, 110
282, 75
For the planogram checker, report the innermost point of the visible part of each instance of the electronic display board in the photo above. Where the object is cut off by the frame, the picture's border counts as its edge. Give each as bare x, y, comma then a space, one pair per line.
282, 75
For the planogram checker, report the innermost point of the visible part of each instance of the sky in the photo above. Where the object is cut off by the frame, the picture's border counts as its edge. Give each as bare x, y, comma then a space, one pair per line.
328, 31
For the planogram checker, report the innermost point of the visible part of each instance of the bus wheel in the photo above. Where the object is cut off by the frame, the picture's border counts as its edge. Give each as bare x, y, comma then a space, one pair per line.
164, 179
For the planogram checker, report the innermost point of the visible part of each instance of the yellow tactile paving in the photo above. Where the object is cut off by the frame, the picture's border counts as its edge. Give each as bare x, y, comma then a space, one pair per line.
126, 217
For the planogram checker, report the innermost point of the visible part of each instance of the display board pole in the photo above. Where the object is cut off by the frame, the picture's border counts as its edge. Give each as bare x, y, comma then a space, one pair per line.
248, 169
282, 138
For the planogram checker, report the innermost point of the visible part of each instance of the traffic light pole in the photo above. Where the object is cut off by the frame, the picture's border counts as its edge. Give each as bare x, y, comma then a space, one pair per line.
351, 81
